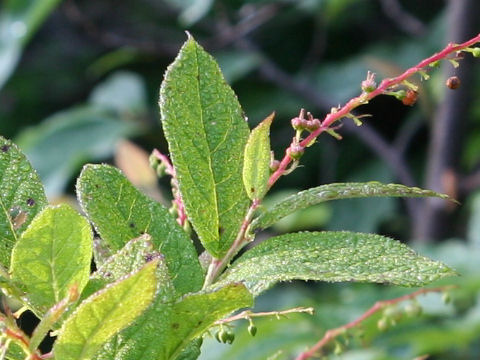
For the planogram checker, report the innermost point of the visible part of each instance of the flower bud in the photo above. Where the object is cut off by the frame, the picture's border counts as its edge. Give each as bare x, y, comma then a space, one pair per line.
295, 151
313, 125
299, 123
453, 82
369, 84
413, 309
252, 329
274, 165
382, 324
410, 97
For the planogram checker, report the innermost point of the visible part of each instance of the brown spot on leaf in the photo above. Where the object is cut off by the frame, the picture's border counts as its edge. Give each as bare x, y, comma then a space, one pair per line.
30, 202
5, 148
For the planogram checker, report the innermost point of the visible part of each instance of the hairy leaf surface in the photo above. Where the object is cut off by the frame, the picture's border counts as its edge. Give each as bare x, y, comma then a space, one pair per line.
333, 256
337, 191
206, 134
105, 313
21, 197
53, 254
256, 169
120, 213
166, 330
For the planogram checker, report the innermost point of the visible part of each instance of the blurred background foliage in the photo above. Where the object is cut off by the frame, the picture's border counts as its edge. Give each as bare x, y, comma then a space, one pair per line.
79, 83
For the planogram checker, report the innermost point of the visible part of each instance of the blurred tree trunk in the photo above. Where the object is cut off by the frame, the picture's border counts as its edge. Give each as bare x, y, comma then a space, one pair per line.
447, 128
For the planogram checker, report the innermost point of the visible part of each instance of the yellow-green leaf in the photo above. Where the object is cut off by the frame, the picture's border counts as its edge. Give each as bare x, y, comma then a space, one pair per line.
256, 168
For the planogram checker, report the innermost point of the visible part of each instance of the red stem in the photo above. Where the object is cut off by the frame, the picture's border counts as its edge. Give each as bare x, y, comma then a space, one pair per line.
379, 305
365, 97
177, 197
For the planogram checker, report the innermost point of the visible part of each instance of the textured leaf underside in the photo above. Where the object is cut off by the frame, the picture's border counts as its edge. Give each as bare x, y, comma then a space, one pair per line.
53, 254
206, 134
167, 329
104, 314
120, 213
336, 191
333, 256
21, 197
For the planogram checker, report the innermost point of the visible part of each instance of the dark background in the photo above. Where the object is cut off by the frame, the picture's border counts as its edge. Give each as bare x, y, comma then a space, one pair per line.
78, 77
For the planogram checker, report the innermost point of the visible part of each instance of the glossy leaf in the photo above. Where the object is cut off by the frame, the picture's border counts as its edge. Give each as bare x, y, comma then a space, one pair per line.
206, 134
333, 256
21, 197
337, 191
120, 213
53, 254
166, 330
104, 314
256, 168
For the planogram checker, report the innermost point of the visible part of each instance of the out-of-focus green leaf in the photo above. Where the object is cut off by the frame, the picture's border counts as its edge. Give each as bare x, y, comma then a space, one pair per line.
52, 255
120, 213
236, 64
21, 197
122, 91
61, 143
336, 191
333, 256
191, 10
206, 133
106, 313
165, 330
18, 22
256, 168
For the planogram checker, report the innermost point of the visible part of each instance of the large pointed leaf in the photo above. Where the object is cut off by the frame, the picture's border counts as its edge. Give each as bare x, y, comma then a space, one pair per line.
104, 314
53, 254
166, 330
21, 197
256, 169
120, 213
206, 135
337, 191
333, 256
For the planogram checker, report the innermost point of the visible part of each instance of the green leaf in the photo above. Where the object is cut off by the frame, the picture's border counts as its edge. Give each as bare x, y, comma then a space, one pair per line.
165, 331
53, 254
337, 191
106, 313
70, 130
120, 213
135, 254
18, 22
256, 168
21, 197
206, 134
333, 256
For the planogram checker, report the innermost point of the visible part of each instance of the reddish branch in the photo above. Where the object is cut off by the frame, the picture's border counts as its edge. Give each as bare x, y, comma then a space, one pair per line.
380, 305
385, 86
177, 197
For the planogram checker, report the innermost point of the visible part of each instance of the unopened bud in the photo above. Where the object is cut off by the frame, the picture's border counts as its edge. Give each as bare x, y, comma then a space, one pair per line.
369, 84
453, 82
252, 329
313, 125
382, 324
410, 97
476, 52
295, 151
413, 309
274, 165
299, 123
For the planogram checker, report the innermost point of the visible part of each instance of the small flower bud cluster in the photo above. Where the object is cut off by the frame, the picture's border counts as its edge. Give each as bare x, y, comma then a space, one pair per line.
300, 123
295, 151
225, 336
369, 84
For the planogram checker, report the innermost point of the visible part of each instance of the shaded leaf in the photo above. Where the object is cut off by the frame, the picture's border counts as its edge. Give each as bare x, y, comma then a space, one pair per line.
333, 256
336, 191
21, 197
120, 213
166, 330
18, 22
53, 254
256, 168
206, 134
104, 314
82, 133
